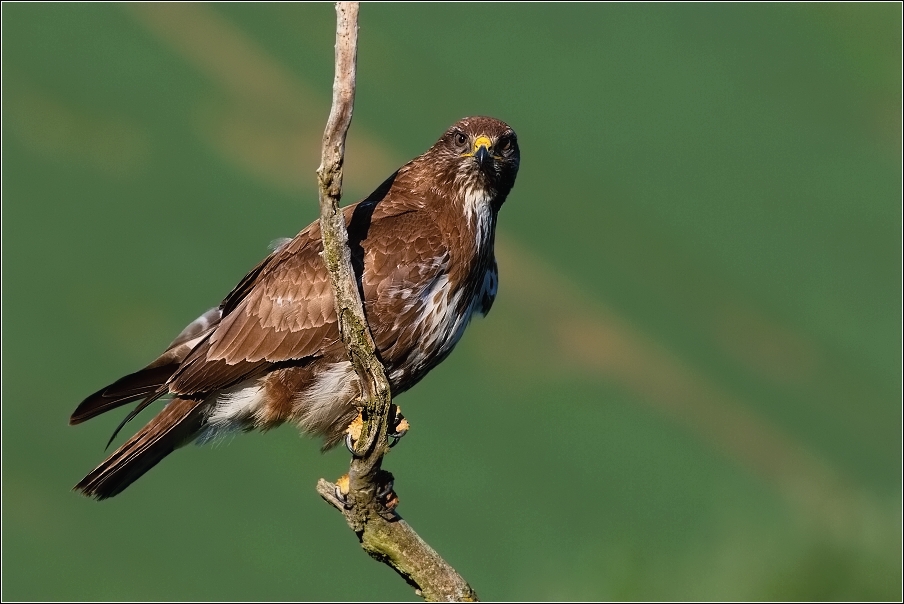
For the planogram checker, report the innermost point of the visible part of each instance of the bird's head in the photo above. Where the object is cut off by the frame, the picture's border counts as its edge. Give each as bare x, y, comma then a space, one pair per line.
477, 155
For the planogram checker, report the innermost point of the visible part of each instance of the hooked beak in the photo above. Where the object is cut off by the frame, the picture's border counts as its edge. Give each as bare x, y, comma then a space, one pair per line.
482, 146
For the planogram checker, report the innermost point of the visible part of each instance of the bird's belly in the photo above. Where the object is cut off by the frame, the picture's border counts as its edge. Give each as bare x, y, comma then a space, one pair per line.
320, 397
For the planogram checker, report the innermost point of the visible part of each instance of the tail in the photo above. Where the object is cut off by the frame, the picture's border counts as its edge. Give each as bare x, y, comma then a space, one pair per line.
176, 425
132, 387
149, 381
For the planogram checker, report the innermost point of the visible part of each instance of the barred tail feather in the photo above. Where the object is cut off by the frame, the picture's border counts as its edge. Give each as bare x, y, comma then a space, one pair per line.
176, 425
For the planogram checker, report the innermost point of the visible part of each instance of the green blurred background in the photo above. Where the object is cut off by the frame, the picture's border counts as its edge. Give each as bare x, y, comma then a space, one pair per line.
689, 386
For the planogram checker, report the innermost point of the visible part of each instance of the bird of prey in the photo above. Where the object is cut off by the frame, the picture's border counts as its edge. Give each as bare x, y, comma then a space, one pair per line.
422, 252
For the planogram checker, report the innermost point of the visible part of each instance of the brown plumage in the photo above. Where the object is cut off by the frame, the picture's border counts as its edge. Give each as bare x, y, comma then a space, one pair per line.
422, 250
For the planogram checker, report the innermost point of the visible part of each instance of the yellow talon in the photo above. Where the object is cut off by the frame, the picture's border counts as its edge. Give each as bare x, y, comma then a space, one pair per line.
342, 485
354, 428
353, 433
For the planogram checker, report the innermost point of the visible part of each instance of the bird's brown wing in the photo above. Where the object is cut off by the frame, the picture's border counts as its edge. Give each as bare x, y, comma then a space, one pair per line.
405, 261
283, 312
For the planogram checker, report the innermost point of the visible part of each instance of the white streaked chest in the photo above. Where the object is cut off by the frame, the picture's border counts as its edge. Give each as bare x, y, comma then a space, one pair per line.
447, 307
479, 213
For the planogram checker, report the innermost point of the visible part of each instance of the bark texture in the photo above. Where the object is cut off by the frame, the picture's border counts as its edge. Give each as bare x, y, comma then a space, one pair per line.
382, 532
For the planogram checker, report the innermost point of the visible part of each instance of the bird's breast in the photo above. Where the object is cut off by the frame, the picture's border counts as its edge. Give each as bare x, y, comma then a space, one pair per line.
424, 279
435, 330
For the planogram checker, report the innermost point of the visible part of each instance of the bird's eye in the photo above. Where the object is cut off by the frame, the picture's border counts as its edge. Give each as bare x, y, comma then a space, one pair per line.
505, 145
460, 139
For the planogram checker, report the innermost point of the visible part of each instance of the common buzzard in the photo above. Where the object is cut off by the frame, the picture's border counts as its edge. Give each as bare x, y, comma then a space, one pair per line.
422, 251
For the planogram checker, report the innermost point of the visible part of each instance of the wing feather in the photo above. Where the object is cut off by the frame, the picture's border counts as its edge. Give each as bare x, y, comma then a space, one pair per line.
283, 310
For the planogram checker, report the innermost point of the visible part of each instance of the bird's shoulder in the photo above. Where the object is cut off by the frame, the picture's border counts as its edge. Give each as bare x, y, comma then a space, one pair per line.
282, 310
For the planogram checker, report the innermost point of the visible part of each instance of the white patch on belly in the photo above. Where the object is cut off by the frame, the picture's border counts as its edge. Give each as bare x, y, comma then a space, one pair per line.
236, 404
330, 393
232, 410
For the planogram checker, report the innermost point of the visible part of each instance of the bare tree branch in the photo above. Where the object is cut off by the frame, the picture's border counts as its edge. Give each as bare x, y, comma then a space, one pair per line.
352, 324
383, 534
394, 542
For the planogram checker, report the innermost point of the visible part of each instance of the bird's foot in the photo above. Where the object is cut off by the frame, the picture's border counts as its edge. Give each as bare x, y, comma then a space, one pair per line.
384, 494
353, 432
342, 487
398, 425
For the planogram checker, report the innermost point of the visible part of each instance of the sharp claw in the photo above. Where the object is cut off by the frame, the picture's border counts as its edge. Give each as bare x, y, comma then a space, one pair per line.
385, 490
391, 502
341, 491
387, 496
353, 433
343, 499
400, 428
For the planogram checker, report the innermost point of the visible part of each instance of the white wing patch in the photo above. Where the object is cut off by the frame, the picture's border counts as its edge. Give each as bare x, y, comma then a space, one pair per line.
198, 328
278, 244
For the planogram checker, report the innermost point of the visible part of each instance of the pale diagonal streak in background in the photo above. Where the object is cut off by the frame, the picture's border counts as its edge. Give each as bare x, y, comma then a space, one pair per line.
271, 128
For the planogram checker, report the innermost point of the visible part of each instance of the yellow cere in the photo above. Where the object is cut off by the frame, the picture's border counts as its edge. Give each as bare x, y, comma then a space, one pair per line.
482, 141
